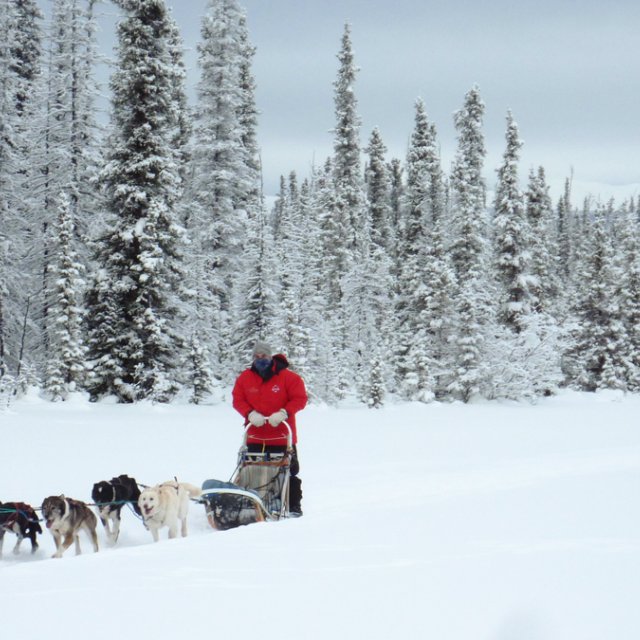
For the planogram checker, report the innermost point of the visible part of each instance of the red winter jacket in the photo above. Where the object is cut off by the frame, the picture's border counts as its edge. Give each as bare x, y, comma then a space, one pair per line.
283, 389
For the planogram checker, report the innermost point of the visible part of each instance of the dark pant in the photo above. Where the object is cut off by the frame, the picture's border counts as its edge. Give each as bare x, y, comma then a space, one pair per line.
295, 484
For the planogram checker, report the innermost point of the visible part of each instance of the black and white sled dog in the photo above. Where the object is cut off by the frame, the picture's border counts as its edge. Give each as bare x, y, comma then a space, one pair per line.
65, 518
21, 519
110, 497
166, 504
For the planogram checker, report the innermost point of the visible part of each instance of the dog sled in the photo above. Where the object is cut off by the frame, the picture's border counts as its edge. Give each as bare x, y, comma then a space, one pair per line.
258, 490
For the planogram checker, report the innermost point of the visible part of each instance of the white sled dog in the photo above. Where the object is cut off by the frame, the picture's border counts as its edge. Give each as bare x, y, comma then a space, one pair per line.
165, 504
65, 517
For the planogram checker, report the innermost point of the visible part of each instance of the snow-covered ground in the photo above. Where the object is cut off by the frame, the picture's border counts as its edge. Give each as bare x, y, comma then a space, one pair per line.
450, 522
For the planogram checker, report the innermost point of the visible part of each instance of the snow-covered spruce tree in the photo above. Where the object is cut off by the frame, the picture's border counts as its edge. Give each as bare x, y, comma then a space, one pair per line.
598, 355
225, 181
469, 251
366, 291
287, 269
363, 263
199, 377
421, 266
20, 53
305, 344
324, 365
313, 358
251, 201
8, 229
439, 277
66, 366
348, 231
382, 248
524, 351
6, 155
135, 301
512, 238
67, 157
546, 334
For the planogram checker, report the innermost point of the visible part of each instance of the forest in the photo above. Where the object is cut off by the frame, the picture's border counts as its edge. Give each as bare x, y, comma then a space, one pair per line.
140, 259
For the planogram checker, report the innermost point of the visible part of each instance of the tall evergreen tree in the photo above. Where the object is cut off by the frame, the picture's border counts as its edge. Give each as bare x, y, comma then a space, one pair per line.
313, 359
425, 282
225, 188
8, 324
382, 250
327, 334
68, 156
469, 250
66, 366
347, 232
20, 52
288, 270
135, 314
414, 367
512, 238
598, 357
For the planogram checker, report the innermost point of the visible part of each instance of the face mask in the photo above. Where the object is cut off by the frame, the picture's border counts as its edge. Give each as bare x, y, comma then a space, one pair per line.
262, 364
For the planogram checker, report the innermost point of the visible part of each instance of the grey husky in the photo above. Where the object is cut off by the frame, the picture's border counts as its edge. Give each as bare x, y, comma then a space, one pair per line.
65, 518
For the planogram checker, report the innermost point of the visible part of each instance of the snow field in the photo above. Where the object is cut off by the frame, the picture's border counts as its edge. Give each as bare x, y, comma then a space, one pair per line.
453, 522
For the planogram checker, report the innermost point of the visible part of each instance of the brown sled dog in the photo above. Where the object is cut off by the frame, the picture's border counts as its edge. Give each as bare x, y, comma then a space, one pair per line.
65, 518
21, 519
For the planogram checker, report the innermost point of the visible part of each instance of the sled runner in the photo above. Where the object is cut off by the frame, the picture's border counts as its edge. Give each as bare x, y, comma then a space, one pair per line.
259, 487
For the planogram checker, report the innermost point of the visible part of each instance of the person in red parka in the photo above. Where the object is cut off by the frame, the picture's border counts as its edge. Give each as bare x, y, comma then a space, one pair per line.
267, 394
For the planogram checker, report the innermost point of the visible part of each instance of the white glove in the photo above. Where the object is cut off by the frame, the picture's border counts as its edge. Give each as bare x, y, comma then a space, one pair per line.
276, 418
256, 419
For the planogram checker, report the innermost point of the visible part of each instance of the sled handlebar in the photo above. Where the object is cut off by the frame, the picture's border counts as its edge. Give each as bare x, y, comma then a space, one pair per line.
284, 422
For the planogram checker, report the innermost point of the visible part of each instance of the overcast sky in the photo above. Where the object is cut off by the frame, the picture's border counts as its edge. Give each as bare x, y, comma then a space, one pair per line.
569, 71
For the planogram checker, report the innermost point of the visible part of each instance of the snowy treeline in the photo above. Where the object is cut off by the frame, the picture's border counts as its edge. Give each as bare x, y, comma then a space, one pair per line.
141, 260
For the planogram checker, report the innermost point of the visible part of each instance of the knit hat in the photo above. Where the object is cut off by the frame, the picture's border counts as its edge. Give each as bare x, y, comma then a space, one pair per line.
262, 348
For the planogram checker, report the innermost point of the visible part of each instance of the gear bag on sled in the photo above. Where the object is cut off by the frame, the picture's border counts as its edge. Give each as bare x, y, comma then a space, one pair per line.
259, 487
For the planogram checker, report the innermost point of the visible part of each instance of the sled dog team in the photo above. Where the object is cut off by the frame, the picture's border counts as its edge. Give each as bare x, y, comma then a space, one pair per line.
165, 505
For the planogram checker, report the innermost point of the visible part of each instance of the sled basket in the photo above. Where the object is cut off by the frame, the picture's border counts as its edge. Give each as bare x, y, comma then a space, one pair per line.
228, 505
258, 491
